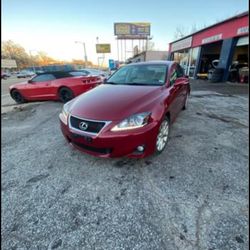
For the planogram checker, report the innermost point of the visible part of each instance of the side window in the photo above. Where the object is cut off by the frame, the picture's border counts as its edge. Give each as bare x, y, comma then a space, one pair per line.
179, 70
86, 72
173, 77
43, 78
77, 73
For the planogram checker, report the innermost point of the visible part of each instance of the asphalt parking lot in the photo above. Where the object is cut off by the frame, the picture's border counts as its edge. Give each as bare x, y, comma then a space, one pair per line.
192, 196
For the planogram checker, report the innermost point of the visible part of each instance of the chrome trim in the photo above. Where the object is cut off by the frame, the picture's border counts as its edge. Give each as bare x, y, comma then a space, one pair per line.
86, 132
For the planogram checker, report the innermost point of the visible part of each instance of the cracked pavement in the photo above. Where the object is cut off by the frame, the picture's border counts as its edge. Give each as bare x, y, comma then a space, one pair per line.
192, 196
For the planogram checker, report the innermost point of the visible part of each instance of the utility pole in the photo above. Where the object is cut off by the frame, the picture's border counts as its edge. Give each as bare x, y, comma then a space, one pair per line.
85, 53
97, 42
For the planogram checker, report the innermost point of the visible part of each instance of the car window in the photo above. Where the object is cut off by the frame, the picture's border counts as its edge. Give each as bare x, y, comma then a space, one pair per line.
173, 77
85, 72
77, 73
142, 74
179, 71
43, 78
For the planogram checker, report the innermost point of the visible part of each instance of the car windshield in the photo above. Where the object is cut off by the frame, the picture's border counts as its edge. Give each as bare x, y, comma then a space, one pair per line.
141, 74
77, 73
94, 71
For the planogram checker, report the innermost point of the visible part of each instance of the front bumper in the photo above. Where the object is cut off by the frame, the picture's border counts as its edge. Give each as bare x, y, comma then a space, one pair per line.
114, 144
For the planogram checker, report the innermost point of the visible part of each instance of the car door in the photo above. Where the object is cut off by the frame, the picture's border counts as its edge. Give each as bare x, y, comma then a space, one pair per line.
40, 87
175, 90
182, 83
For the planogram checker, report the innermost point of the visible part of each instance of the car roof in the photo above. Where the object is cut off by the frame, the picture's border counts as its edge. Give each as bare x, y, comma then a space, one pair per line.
58, 74
156, 62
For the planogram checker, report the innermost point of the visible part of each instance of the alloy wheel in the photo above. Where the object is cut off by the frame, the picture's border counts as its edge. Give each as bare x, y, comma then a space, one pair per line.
162, 136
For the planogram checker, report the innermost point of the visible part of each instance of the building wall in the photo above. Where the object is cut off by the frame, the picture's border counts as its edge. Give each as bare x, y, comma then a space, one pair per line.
156, 55
227, 30
220, 40
8, 63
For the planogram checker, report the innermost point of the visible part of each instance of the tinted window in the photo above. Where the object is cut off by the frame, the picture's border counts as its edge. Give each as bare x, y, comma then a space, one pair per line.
142, 74
43, 78
85, 72
77, 73
179, 71
173, 77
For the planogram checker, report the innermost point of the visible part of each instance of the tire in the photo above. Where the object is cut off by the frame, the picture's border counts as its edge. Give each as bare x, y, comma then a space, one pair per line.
217, 75
186, 103
65, 94
17, 97
163, 136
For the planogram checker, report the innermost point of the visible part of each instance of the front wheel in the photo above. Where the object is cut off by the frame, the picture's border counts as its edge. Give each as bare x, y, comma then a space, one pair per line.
18, 98
65, 94
162, 137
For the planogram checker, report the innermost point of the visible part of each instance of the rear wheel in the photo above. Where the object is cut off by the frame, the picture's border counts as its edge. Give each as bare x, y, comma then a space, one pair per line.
17, 97
65, 94
162, 137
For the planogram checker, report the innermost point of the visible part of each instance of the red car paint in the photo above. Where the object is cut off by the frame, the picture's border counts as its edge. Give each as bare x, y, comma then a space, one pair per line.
48, 90
113, 103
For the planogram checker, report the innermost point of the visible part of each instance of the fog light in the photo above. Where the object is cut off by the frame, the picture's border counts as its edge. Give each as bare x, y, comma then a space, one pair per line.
140, 148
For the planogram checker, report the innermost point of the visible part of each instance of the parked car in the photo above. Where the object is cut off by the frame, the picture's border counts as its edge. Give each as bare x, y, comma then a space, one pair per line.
95, 72
53, 86
5, 75
130, 114
25, 73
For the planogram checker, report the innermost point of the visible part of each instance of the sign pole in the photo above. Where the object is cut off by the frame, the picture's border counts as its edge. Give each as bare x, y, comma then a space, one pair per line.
121, 51
97, 41
125, 50
118, 49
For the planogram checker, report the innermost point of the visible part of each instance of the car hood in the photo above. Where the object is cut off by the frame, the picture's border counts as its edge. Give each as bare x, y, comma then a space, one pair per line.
114, 102
16, 85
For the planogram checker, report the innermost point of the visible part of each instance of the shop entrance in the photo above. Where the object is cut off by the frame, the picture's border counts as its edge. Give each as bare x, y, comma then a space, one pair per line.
209, 53
239, 69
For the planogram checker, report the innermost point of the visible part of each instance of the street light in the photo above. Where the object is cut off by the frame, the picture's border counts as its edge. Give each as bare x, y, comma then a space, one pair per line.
85, 54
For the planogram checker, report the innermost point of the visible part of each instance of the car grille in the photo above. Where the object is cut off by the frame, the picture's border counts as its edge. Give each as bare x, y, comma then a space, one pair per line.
93, 149
93, 126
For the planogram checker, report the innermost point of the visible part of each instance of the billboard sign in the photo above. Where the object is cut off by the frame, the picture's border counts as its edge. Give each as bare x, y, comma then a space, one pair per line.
103, 48
132, 30
8, 63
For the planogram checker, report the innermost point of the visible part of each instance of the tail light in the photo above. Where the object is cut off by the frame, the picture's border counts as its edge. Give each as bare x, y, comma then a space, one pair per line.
91, 80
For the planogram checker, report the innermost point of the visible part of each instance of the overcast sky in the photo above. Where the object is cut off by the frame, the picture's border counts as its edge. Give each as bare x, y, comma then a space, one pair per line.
53, 25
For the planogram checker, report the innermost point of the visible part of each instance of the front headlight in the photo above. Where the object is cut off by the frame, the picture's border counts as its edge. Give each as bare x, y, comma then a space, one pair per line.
132, 122
65, 113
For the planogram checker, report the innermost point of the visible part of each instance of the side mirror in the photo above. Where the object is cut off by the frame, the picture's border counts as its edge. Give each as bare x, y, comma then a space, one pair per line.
178, 81
30, 81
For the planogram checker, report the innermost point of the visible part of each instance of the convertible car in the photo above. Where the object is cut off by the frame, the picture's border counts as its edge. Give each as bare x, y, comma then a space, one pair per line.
130, 114
61, 86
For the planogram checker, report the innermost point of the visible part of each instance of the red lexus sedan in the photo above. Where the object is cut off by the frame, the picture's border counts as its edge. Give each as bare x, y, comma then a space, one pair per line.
57, 85
130, 114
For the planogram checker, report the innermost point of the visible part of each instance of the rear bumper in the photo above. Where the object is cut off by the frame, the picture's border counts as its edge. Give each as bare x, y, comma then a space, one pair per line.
114, 144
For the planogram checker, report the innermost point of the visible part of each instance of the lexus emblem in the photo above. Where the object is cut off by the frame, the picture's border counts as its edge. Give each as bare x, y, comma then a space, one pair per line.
83, 125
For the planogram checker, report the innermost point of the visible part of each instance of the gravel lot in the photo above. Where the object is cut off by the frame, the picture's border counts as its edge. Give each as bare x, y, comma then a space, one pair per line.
192, 196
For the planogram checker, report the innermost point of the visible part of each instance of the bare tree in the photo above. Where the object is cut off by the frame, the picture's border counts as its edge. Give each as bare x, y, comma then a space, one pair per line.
180, 32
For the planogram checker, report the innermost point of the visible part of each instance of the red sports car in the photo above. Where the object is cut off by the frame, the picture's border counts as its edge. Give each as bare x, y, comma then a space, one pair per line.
61, 86
130, 114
